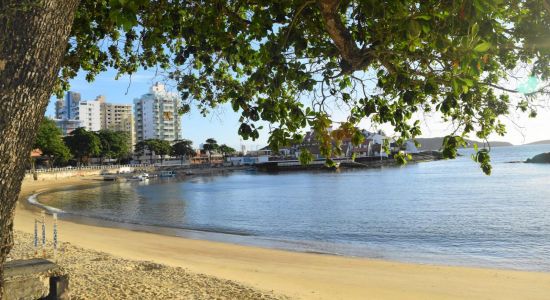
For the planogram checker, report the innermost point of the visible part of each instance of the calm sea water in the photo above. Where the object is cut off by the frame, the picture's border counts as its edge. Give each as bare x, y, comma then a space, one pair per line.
436, 212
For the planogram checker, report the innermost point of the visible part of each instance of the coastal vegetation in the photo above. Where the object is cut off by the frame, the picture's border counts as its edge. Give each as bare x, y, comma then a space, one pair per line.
83, 144
153, 147
114, 145
183, 149
226, 150
105, 144
210, 146
283, 62
49, 140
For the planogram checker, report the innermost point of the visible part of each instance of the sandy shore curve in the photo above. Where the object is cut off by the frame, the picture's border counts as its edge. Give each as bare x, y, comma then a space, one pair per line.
293, 274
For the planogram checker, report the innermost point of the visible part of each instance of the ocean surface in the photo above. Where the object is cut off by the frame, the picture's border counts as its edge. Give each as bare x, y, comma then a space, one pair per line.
442, 212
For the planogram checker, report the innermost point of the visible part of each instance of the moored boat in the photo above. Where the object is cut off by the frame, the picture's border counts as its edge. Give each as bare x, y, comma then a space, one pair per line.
167, 174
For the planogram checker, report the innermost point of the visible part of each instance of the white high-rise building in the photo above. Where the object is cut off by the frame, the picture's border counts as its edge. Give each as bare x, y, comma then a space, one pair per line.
88, 112
73, 113
156, 115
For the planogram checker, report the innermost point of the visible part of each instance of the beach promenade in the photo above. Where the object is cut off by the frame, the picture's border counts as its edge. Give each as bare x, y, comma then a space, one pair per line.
252, 272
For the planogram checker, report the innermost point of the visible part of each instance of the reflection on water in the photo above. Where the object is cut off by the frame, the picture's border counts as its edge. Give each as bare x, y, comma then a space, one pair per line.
437, 212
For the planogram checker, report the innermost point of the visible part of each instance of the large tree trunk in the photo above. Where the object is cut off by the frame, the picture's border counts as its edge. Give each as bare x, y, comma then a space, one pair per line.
33, 39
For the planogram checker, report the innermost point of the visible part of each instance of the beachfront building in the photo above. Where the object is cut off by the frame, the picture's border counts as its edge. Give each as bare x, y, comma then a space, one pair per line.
202, 157
372, 146
156, 115
88, 112
73, 113
247, 160
117, 117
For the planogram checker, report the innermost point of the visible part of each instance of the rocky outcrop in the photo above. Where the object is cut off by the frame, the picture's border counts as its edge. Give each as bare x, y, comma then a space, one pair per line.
543, 158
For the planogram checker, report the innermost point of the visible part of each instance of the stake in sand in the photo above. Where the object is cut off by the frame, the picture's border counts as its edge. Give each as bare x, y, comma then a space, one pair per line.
54, 235
36, 238
43, 234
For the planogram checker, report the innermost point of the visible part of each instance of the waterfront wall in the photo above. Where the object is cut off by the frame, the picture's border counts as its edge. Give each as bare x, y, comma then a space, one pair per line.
124, 171
63, 173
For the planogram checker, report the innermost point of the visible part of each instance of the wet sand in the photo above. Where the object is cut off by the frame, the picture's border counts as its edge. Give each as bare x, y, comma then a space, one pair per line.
293, 274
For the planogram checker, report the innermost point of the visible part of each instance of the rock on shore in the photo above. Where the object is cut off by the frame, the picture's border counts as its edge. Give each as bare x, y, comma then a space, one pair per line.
543, 158
97, 275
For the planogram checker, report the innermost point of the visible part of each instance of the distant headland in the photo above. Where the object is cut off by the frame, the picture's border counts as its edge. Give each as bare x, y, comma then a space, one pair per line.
436, 142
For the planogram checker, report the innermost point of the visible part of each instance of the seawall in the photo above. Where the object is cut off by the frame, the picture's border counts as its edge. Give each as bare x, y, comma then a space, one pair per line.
64, 173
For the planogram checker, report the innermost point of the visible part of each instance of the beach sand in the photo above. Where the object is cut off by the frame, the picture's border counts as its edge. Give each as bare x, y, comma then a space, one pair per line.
252, 272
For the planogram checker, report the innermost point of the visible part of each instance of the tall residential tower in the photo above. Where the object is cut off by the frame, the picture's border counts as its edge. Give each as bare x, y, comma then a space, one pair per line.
117, 117
156, 115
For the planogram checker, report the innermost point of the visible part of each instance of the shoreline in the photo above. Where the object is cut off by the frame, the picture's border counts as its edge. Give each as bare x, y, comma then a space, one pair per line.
296, 274
246, 239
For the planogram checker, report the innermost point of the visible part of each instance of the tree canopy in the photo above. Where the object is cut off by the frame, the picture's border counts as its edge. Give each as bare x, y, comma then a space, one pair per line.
291, 62
49, 140
288, 62
114, 144
211, 145
183, 148
154, 146
160, 147
226, 150
83, 144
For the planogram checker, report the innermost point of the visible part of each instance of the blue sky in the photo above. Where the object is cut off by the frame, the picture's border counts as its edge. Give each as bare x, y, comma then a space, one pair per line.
222, 123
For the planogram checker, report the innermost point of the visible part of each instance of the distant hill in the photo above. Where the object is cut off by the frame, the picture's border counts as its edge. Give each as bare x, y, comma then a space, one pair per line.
545, 142
436, 142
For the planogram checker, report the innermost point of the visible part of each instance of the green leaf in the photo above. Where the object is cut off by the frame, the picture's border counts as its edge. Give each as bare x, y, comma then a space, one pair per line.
414, 29
482, 47
467, 81
423, 17
456, 85
305, 157
475, 29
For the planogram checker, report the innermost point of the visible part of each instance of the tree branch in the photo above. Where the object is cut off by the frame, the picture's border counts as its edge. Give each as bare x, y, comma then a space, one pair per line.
353, 58
298, 11
541, 90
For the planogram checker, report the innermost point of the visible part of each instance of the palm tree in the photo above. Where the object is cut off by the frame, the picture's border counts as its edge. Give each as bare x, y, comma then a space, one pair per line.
183, 148
226, 150
210, 146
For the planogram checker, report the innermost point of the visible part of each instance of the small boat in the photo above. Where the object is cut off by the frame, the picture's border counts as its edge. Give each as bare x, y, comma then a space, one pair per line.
167, 174
110, 178
141, 177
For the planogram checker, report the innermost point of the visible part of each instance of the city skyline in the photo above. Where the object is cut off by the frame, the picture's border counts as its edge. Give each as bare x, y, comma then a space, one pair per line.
223, 123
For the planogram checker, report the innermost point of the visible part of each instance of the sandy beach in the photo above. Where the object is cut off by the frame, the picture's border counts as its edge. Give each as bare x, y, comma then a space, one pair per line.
133, 263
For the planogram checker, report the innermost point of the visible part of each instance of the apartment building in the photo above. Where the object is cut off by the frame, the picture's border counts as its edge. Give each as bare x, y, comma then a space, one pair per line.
88, 112
117, 117
93, 115
156, 115
73, 112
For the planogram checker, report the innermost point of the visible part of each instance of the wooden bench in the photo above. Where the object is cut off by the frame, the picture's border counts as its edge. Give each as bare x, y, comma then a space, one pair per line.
35, 279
